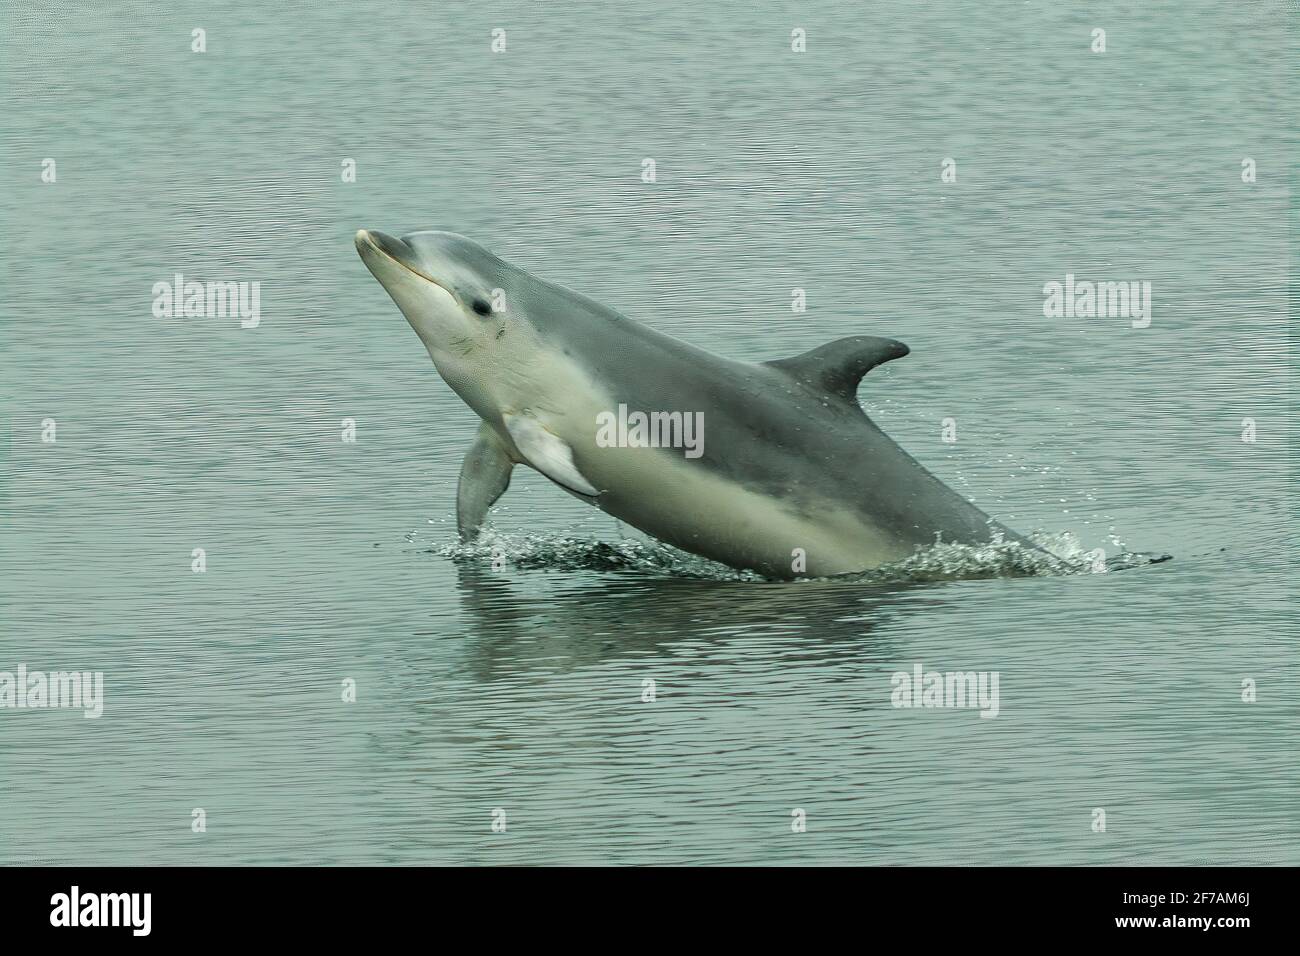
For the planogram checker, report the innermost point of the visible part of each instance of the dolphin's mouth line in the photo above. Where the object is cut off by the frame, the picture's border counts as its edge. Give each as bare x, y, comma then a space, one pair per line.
415, 272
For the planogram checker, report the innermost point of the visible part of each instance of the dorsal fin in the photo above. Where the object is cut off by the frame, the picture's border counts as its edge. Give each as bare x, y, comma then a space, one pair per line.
838, 366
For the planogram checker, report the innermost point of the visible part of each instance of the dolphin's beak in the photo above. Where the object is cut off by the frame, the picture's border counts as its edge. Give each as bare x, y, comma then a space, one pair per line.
375, 247
372, 240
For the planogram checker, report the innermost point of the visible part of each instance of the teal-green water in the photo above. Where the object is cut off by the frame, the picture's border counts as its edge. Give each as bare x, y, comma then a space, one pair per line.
522, 689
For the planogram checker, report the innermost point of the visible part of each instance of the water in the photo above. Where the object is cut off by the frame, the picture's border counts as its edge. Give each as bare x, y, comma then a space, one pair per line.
521, 689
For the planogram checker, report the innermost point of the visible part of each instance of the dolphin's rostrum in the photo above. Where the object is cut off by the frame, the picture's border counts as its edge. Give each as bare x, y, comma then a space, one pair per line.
793, 478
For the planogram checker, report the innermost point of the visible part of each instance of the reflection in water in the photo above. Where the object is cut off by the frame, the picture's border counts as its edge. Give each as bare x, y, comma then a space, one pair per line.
514, 627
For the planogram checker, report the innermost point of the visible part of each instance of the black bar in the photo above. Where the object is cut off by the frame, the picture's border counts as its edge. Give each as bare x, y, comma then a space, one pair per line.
931, 906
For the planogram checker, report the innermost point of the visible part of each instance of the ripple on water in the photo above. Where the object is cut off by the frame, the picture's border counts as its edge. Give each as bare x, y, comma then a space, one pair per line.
560, 551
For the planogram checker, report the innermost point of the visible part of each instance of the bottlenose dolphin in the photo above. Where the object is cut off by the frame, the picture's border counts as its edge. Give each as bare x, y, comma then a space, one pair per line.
791, 478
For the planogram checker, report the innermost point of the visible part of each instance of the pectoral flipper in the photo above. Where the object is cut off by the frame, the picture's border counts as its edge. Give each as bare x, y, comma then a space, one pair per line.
484, 477
548, 453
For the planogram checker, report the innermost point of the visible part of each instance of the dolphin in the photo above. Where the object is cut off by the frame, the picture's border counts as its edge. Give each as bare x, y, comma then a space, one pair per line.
783, 473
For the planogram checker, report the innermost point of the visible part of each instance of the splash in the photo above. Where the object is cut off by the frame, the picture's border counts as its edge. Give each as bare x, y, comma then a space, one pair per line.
1060, 554
564, 552
1052, 556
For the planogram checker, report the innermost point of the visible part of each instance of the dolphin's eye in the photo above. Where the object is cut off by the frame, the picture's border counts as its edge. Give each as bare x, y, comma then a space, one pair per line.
482, 308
